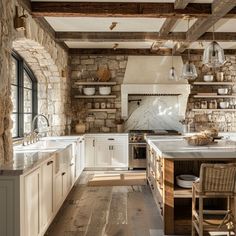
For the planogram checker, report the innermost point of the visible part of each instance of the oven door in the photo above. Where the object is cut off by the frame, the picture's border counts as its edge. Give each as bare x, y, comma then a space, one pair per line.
137, 155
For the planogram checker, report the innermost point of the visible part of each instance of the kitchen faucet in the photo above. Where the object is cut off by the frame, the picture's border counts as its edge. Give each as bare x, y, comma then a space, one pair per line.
33, 136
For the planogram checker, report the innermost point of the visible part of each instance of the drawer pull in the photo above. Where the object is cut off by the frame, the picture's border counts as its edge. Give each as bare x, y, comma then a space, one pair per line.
63, 173
49, 163
110, 139
71, 164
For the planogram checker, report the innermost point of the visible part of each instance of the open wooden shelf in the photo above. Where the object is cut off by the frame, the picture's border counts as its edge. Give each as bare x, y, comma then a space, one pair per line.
213, 83
95, 83
182, 192
95, 96
102, 110
215, 96
218, 109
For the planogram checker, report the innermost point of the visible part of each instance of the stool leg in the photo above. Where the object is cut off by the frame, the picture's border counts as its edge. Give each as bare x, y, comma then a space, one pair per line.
193, 209
200, 216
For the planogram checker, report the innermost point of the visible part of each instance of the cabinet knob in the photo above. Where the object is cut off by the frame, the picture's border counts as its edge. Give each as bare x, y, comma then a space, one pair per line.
71, 164
63, 173
49, 163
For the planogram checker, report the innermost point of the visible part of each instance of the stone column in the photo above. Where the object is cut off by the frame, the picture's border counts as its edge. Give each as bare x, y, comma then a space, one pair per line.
6, 37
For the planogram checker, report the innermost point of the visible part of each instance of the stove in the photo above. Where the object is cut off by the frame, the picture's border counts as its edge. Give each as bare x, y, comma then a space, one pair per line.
137, 145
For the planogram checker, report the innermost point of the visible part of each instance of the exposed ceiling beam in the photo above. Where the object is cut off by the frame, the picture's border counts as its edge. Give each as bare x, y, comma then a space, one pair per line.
220, 8
138, 36
181, 4
118, 9
170, 22
148, 52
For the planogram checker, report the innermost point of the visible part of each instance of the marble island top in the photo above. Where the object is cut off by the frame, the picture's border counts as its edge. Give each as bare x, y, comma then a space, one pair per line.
175, 147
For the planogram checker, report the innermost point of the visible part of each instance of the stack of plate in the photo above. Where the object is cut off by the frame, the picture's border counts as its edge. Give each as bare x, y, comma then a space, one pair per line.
186, 181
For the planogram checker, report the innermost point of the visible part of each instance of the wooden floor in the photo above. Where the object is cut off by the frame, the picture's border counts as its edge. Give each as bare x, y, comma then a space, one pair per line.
107, 211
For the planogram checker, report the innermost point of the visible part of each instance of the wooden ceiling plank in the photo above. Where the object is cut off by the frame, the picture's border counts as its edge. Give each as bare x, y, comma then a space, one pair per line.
220, 8
118, 9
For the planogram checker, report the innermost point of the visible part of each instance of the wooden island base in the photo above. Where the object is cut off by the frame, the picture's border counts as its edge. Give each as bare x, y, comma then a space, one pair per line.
174, 202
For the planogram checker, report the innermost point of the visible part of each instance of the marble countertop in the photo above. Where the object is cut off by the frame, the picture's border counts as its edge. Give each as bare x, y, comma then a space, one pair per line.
175, 147
26, 158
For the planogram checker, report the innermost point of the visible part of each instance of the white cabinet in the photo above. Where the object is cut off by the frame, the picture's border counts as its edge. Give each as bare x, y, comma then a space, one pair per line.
119, 154
106, 151
32, 204
89, 151
102, 153
57, 191
46, 193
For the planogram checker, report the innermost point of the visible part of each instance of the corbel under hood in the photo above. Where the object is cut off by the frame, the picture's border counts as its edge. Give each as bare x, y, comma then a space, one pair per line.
148, 75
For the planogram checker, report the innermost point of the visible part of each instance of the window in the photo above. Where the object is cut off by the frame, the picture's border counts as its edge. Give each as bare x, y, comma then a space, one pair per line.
24, 96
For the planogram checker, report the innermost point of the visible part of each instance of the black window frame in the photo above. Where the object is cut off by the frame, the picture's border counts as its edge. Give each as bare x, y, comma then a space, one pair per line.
23, 67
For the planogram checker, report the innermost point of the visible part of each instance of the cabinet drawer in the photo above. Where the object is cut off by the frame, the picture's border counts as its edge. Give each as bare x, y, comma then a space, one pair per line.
112, 139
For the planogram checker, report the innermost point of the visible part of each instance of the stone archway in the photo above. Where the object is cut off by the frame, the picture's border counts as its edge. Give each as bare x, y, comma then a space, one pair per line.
51, 85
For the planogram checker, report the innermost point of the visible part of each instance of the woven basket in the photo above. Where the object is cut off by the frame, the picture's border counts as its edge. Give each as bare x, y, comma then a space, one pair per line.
199, 140
103, 74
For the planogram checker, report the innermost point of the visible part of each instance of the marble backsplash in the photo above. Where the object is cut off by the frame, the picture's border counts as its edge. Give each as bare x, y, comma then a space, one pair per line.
153, 112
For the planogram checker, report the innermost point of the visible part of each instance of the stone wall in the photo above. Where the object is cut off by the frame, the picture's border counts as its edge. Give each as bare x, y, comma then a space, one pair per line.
82, 69
6, 36
102, 121
47, 60
223, 120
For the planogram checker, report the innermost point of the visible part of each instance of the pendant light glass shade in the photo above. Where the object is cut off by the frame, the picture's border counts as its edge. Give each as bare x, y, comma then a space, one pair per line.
189, 71
213, 55
172, 73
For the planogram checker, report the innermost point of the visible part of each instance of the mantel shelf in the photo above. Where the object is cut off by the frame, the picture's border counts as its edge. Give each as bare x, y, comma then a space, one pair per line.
213, 109
102, 110
215, 96
95, 83
213, 83
95, 96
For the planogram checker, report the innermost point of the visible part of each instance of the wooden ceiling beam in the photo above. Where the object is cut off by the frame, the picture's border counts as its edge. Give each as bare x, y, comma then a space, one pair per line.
141, 52
118, 9
181, 4
170, 22
219, 9
138, 36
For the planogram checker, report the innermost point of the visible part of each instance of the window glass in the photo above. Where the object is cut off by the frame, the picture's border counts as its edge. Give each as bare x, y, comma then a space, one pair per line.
23, 94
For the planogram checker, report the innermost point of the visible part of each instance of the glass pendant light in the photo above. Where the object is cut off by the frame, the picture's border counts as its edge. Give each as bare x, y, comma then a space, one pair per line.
172, 72
213, 55
189, 71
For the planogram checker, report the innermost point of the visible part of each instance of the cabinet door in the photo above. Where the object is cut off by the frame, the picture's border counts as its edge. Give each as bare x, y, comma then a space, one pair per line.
32, 203
57, 191
119, 154
71, 174
89, 152
102, 153
65, 183
46, 193
82, 153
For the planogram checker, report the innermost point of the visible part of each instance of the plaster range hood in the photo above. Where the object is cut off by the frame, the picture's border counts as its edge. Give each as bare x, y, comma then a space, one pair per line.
148, 75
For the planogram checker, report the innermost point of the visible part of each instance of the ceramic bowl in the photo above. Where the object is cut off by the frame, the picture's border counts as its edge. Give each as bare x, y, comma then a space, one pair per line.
104, 90
89, 91
208, 78
186, 181
223, 91
224, 105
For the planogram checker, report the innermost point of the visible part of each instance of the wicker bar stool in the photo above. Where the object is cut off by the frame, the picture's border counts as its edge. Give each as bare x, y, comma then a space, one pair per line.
216, 181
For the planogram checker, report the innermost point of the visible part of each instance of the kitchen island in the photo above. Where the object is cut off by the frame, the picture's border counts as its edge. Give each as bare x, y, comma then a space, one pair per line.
168, 157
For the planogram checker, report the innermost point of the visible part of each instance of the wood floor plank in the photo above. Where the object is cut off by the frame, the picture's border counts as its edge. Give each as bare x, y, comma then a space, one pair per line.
107, 211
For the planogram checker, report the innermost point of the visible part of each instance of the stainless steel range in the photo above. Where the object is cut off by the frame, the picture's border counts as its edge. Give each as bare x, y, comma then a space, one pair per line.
137, 146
